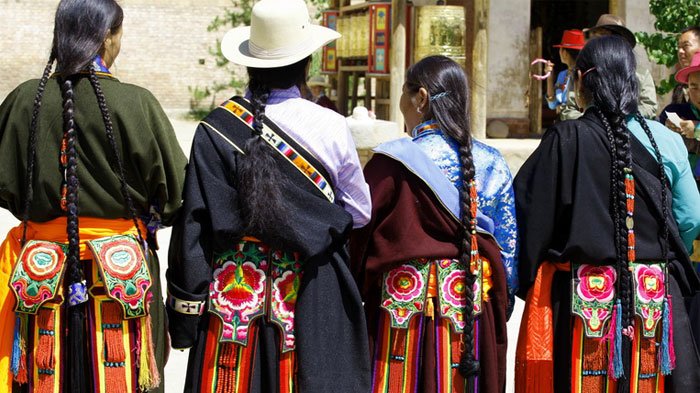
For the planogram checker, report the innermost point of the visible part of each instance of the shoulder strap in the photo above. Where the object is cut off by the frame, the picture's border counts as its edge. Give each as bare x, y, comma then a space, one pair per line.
237, 111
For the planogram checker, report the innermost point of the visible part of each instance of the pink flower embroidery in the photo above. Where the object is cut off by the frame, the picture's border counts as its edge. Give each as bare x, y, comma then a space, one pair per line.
238, 286
404, 283
453, 290
596, 283
650, 283
285, 290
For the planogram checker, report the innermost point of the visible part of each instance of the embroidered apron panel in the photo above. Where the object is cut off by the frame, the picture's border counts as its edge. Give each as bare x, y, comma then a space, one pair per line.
37, 275
593, 296
124, 272
404, 290
649, 294
253, 281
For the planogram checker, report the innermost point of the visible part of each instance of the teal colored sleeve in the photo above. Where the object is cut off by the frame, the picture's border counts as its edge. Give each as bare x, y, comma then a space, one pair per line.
685, 195
686, 199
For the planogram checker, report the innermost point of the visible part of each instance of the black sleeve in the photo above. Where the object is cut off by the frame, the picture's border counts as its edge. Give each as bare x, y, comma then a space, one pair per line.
209, 214
538, 202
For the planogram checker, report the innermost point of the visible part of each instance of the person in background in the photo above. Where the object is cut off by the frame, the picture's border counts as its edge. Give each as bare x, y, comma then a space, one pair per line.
689, 127
609, 24
688, 45
90, 165
258, 278
607, 211
689, 112
557, 91
317, 84
434, 281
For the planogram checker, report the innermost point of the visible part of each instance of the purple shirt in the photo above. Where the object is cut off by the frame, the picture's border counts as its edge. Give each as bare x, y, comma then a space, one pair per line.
325, 134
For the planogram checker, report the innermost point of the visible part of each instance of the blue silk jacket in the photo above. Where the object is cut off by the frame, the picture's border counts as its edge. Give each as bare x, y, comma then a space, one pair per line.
494, 187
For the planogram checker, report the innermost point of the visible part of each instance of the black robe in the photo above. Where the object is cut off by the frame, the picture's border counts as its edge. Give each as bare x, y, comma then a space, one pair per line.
331, 341
562, 197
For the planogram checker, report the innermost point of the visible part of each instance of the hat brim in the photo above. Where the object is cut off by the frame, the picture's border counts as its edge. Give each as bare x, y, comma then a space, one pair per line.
312, 84
234, 47
574, 47
684, 73
617, 29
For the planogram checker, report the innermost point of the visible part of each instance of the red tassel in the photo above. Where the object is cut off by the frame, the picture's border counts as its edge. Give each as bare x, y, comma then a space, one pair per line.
44, 353
115, 356
226, 381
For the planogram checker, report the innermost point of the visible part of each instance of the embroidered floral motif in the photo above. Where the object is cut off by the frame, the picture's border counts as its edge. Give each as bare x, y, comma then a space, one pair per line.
236, 293
249, 278
453, 288
36, 277
403, 291
238, 286
650, 283
650, 290
286, 275
593, 296
452, 295
596, 283
122, 265
404, 283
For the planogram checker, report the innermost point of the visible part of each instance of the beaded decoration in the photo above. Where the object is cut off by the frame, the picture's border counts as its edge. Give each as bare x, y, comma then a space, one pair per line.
629, 221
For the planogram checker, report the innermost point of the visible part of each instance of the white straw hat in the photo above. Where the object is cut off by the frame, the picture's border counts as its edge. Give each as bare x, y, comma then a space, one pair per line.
280, 34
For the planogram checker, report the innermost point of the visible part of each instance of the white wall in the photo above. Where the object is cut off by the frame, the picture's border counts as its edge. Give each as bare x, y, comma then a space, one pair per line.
509, 32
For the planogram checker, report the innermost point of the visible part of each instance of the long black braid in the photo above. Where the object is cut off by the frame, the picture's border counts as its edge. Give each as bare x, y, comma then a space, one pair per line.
71, 134
448, 91
74, 280
468, 364
607, 68
31, 146
80, 31
664, 181
106, 118
621, 159
263, 203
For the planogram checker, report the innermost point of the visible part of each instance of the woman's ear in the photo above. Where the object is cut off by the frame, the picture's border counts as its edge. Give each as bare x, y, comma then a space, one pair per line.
421, 100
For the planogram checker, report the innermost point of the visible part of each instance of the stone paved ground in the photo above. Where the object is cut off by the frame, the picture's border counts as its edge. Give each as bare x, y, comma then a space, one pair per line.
515, 152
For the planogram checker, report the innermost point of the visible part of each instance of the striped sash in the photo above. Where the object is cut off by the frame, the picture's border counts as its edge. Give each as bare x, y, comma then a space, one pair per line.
293, 153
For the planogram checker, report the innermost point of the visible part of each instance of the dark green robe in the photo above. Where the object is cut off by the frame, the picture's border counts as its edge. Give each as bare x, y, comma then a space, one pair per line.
153, 162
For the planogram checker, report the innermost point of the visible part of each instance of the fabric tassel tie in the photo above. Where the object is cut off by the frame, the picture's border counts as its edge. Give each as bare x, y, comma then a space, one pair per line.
667, 353
629, 221
115, 355
18, 364
45, 361
615, 368
149, 377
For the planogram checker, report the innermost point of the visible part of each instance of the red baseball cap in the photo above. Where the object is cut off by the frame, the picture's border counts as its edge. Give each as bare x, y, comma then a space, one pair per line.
572, 39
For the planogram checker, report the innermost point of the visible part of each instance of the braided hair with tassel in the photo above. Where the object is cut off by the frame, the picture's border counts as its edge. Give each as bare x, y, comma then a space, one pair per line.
606, 73
447, 85
81, 27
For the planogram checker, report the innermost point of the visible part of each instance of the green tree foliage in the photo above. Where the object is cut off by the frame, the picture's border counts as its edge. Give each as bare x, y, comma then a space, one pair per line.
237, 14
672, 16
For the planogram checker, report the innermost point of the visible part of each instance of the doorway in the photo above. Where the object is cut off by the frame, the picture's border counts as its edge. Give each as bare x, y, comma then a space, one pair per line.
548, 20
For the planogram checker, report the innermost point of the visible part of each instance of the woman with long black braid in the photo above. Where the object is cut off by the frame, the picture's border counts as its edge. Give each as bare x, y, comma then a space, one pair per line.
607, 208
258, 282
434, 282
86, 159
